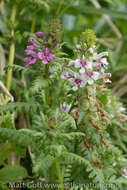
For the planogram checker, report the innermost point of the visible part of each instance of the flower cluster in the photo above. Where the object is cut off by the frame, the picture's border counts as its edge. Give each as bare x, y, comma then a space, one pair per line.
86, 70
38, 51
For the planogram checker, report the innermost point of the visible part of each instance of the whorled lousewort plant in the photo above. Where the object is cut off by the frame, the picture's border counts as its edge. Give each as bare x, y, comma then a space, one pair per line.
76, 135
77, 120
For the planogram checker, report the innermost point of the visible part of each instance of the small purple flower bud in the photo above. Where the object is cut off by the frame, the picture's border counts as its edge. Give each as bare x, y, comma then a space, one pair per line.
39, 34
31, 39
55, 43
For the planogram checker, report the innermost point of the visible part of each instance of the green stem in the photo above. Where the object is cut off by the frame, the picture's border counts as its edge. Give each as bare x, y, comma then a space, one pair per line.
47, 95
59, 175
12, 49
33, 24
52, 170
52, 175
47, 100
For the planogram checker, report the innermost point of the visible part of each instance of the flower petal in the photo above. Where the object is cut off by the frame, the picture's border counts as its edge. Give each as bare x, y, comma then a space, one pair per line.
50, 57
44, 61
82, 70
41, 55
90, 81
95, 75
39, 34
74, 88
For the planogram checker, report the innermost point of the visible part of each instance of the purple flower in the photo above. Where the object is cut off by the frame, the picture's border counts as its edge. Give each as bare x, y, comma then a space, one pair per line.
100, 61
46, 56
40, 55
85, 69
30, 52
55, 43
91, 76
99, 66
103, 61
67, 76
36, 46
35, 52
50, 57
44, 61
31, 47
39, 34
29, 61
74, 78
77, 81
75, 63
34, 42
33, 60
65, 107
31, 39
82, 64
47, 51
